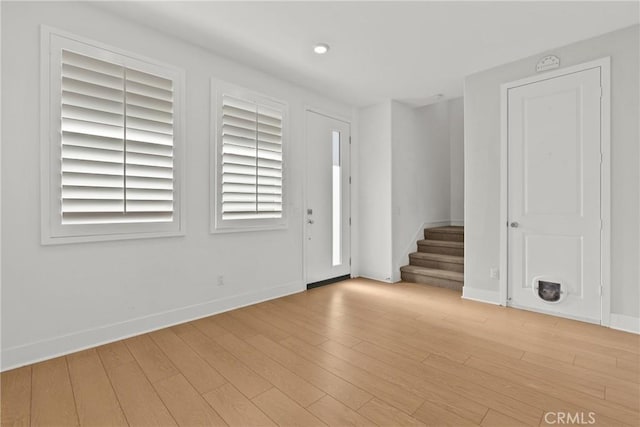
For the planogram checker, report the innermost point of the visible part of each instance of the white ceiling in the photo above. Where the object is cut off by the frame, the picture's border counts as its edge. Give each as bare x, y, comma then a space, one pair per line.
408, 51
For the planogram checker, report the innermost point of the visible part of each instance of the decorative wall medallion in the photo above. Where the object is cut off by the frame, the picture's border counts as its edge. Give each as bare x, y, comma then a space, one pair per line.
547, 63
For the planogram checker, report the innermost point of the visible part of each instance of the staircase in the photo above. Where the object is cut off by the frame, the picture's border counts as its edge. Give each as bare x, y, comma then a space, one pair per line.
439, 260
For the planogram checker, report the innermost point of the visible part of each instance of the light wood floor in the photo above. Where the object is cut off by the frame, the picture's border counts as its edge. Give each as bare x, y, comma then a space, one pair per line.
354, 353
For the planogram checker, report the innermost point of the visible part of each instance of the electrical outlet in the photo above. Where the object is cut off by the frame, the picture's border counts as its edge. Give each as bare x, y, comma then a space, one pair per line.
220, 280
494, 273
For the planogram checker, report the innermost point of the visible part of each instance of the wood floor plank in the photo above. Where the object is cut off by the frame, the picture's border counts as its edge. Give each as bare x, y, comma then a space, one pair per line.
52, 402
386, 415
497, 419
284, 411
151, 359
587, 333
379, 387
287, 324
630, 364
268, 329
439, 395
286, 381
331, 384
434, 415
516, 388
612, 411
233, 325
185, 404
114, 354
466, 389
625, 396
235, 408
141, 404
306, 321
576, 374
606, 365
210, 327
558, 377
190, 332
495, 334
15, 397
236, 372
198, 372
334, 413
350, 330
96, 402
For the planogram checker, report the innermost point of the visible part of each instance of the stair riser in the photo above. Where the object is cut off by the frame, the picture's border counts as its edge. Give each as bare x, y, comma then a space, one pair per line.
449, 237
449, 266
441, 250
433, 281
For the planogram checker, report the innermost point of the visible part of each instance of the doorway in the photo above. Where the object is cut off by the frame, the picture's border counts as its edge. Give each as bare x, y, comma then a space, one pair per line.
327, 210
556, 221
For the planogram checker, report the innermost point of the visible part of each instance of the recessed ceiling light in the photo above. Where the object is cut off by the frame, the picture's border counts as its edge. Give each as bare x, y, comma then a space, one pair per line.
321, 48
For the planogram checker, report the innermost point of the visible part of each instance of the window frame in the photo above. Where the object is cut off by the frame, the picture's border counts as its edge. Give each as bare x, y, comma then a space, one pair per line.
219, 89
53, 231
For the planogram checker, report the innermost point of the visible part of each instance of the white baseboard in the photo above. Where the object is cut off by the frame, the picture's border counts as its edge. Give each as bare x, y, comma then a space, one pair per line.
42, 350
373, 277
481, 295
457, 222
625, 323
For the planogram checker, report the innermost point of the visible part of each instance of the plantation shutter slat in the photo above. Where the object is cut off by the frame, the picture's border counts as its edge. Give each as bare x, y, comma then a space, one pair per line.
136, 111
116, 131
91, 102
146, 183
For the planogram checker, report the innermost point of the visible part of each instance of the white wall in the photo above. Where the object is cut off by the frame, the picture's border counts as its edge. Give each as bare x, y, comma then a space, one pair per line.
374, 196
56, 299
456, 145
420, 175
482, 164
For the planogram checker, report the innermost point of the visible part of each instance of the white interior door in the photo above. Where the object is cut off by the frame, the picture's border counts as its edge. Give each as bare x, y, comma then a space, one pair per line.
554, 146
327, 212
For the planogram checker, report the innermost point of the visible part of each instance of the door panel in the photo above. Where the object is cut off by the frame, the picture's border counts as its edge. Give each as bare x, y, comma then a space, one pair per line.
327, 228
554, 195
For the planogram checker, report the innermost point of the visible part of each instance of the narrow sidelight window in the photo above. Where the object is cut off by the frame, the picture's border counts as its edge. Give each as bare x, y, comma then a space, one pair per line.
336, 199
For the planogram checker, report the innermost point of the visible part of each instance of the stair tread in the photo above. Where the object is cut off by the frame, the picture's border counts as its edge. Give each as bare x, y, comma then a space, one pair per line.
444, 243
448, 229
433, 272
438, 257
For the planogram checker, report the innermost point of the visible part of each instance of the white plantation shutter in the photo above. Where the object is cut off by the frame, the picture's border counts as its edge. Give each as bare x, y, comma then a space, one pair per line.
251, 160
117, 143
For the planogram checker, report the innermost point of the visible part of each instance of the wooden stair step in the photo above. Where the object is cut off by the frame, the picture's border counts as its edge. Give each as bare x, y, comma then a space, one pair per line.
451, 233
438, 257
441, 243
437, 261
452, 229
431, 276
441, 247
433, 272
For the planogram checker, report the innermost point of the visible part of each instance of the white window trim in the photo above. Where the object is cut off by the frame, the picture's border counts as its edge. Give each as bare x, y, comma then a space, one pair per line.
52, 230
220, 88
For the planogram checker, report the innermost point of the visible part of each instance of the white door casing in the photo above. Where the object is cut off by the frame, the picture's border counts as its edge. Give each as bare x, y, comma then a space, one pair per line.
554, 137
327, 229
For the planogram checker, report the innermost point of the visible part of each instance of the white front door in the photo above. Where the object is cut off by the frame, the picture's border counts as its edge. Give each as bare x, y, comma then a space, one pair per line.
554, 146
327, 211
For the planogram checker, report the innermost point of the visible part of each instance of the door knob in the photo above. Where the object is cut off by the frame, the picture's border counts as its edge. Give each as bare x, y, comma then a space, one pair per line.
310, 221
514, 225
